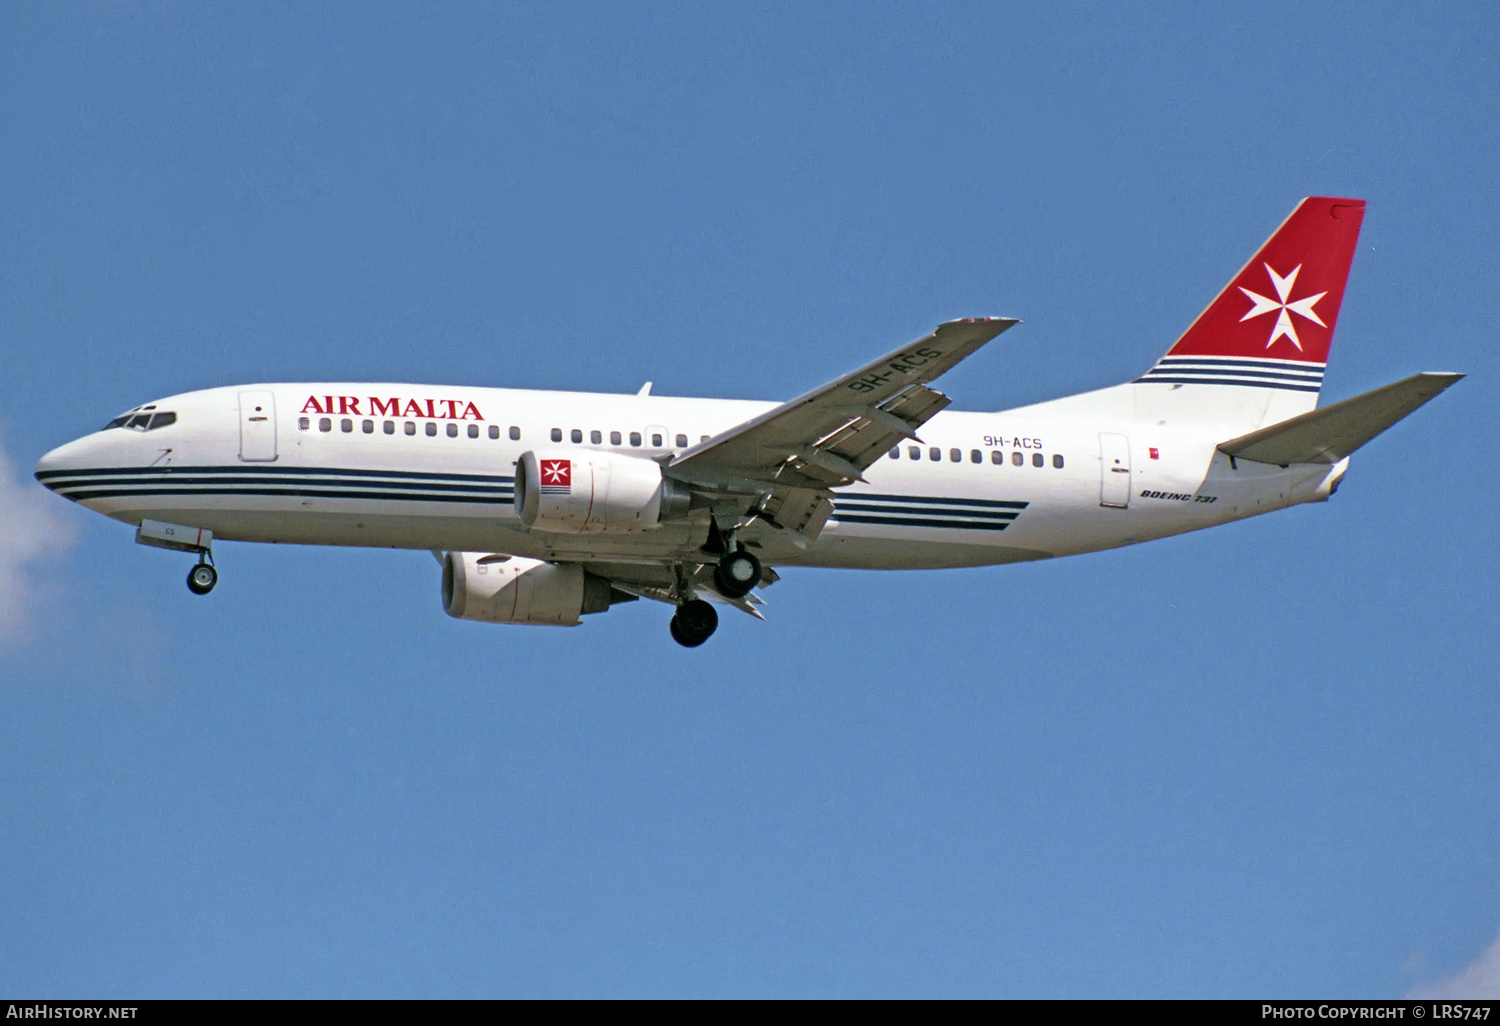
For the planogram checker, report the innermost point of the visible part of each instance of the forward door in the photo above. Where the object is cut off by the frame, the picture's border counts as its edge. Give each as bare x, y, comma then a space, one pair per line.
257, 427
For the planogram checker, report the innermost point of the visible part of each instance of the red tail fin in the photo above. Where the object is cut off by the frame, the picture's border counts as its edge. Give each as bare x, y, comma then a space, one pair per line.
1282, 306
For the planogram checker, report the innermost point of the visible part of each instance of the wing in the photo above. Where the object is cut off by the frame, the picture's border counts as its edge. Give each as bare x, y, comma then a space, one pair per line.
789, 460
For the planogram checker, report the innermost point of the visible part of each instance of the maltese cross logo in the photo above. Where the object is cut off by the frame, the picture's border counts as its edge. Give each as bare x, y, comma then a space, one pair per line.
557, 477
1301, 307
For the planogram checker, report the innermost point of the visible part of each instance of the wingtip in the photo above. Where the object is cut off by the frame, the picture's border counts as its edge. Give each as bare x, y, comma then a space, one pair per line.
988, 327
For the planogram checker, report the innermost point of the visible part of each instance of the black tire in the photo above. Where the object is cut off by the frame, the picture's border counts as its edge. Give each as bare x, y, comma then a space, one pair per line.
693, 623
737, 574
679, 637
202, 578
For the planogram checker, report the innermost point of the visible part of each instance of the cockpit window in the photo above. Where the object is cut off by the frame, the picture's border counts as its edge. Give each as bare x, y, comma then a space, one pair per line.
143, 419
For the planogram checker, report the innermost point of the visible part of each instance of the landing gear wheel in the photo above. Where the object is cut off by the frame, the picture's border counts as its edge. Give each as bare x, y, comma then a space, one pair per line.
202, 578
693, 623
737, 574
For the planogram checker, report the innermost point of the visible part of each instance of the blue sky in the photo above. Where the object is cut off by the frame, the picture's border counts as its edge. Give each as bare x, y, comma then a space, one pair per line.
1254, 761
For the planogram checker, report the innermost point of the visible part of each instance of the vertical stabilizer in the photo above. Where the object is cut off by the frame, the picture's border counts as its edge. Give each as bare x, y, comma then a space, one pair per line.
1257, 354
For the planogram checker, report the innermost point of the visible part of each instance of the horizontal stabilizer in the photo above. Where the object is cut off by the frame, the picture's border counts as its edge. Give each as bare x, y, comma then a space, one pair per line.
1329, 434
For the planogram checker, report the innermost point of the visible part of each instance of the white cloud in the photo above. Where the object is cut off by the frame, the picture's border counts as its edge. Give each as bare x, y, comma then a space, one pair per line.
33, 530
1478, 981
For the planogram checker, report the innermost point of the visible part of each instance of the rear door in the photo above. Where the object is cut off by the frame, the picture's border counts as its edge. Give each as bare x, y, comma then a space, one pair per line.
1114, 469
257, 427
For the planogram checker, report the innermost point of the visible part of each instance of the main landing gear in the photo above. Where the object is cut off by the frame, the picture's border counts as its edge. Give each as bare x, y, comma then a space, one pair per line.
202, 578
738, 571
694, 623
737, 574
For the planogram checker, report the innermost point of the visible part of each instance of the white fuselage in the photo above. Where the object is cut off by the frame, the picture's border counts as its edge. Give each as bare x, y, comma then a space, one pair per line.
432, 467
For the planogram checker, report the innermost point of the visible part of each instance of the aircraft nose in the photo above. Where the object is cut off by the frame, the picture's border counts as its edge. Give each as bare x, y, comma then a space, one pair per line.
48, 465
58, 462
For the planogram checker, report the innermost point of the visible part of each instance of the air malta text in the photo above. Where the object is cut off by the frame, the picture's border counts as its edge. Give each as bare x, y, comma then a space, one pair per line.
436, 409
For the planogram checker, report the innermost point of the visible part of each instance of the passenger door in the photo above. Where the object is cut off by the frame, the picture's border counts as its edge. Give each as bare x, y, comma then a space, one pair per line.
1114, 469
257, 427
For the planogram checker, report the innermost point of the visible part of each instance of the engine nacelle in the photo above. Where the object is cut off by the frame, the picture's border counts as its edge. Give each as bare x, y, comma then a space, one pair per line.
510, 589
586, 492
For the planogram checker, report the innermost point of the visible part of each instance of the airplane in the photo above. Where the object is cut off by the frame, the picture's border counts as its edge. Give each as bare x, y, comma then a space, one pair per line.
544, 506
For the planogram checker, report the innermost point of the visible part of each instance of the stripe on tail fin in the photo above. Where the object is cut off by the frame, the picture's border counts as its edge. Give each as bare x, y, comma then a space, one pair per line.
1273, 324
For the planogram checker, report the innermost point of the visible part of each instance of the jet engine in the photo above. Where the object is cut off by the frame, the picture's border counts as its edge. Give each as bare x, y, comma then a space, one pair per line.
587, 492
510, 589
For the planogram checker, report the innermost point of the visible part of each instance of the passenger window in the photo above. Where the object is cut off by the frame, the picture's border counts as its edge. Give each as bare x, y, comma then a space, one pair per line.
997, 457
324, 424
452, 430
473, 430
896, 453
515, 433
411, 427
369, 427
682, 441
303, 423
347, 425
595, 437
1057, 461
431, 429
656, 441
1038, 460
576, 435
557, 434
1018, 459
703, 439
913, 452
975, 456
936, 454
390, 427
614, 438
635, 438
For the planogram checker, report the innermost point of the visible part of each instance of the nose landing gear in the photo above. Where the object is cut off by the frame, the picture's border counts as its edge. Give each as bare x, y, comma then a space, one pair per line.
180, 538
202, 578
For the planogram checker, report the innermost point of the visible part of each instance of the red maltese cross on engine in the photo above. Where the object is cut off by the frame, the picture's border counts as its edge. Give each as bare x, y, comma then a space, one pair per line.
557, 477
